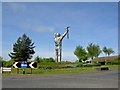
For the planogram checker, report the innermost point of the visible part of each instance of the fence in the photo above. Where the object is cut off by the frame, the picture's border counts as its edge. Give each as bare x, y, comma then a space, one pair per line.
5, 69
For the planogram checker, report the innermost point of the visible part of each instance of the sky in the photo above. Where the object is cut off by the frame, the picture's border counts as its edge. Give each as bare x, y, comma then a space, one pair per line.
90, 22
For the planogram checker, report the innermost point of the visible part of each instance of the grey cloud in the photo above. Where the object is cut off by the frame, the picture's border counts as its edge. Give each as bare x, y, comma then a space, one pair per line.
43, 29
37, 28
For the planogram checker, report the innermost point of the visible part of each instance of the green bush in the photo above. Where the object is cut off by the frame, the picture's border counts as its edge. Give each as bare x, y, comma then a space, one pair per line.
107, 62
55, 65
91, 64
9, 63
97, 64
79, 65
115, 62
40, 60
88, 65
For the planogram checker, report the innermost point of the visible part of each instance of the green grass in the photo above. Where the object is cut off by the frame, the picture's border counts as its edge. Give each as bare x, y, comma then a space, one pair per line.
60, 71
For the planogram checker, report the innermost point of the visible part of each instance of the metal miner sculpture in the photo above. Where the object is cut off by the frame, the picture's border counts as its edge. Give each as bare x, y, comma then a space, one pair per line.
58, 43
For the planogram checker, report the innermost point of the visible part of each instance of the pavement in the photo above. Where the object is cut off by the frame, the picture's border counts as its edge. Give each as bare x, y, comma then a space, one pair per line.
102, 79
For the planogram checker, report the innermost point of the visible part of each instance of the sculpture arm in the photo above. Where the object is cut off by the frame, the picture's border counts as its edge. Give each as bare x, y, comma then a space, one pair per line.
65, 33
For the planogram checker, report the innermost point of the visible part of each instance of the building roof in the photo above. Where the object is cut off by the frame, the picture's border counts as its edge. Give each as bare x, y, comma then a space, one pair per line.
106, 58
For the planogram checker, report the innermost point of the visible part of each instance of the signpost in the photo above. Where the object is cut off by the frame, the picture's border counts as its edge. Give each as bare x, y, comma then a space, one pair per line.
32, 65
24, 65
17, 65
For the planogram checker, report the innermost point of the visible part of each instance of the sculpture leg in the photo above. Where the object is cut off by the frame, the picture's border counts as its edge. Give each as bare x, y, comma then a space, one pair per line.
56, 55
60, 54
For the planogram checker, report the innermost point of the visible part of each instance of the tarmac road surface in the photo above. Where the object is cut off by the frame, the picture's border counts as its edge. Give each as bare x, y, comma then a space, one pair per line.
103, 79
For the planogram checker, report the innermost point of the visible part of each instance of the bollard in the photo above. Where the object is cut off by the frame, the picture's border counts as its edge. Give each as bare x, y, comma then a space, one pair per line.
23, 71
18, 71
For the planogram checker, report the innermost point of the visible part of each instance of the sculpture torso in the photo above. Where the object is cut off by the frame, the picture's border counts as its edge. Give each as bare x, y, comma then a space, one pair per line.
58, 41
58, 38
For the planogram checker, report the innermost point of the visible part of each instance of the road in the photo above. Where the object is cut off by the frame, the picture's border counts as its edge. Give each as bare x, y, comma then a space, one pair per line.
104, 79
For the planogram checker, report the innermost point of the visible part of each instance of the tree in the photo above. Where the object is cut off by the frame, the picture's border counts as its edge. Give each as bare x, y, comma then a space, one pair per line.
2, 62
23, 49
1, 59
9, 63
37, 59
81, 53
105, 50
93, 50
108, 51
48, 59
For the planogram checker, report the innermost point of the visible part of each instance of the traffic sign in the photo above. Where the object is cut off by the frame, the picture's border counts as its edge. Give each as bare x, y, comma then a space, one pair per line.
32, 65
16, 64
24, 64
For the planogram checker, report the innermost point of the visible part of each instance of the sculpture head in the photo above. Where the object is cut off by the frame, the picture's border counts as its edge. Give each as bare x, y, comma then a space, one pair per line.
57, 35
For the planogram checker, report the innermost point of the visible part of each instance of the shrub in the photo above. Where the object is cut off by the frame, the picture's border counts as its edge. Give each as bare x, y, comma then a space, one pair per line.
97, 64
79, 65
88, 65
7, 63
108, 62
70, 66
115, 62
